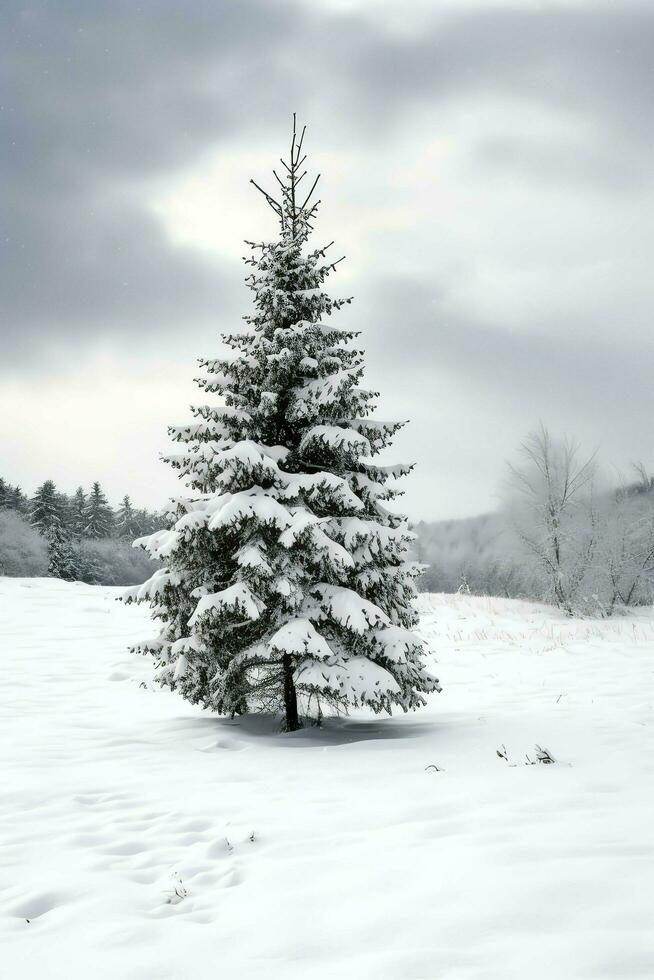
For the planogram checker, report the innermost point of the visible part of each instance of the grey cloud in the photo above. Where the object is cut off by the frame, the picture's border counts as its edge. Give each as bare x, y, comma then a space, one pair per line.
597, 161
80, 272
596, 58
589, 64
99, 97
590, 383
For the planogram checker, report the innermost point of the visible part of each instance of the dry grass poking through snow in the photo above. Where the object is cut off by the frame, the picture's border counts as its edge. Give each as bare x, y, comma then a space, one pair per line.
143, 839
463, 621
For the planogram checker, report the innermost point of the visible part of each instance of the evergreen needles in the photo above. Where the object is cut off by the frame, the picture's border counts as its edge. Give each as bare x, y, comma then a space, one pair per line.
286, 584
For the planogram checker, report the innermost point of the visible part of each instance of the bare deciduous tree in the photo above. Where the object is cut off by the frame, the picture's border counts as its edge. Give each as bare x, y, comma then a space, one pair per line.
626, 546
555, 517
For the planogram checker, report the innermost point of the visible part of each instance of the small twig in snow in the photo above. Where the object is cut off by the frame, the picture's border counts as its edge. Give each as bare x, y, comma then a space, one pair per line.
544, 756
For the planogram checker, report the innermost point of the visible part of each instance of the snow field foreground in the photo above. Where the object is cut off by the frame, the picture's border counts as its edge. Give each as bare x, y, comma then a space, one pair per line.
143, 839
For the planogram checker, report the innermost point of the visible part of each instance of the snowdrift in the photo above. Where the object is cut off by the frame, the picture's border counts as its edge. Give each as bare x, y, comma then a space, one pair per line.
144, 839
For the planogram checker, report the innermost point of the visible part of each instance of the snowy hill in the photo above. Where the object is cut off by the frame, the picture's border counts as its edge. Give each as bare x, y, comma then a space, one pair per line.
145, 839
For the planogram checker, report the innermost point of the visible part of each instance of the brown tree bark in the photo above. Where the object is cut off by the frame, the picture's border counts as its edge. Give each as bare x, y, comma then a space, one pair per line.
290, 696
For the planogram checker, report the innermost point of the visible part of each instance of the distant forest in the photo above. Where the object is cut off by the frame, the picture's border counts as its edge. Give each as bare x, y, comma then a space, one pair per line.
77, 537
588, 550
563, 535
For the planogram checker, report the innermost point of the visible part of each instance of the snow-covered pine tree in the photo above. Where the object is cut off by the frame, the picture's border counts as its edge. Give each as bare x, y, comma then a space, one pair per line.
16, 500
78, 510
67, 513
46, 508
99, 515
128, 524
49, 513
150, 520
63, 561
286, 583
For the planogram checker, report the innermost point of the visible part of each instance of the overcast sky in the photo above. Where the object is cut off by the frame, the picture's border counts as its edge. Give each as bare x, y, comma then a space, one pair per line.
487, 169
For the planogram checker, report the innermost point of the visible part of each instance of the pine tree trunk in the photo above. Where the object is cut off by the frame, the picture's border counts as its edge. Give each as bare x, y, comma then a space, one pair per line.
290, 696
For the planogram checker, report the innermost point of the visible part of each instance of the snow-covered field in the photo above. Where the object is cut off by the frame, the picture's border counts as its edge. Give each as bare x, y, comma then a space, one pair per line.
143, 839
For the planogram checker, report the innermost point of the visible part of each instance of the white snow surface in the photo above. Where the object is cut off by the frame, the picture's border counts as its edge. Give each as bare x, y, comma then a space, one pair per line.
144, 839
